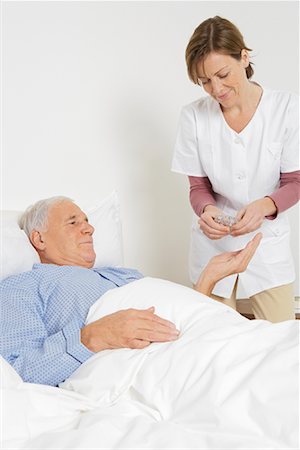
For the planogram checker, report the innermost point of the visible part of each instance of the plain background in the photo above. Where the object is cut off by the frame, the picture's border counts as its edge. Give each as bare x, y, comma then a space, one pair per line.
91, 95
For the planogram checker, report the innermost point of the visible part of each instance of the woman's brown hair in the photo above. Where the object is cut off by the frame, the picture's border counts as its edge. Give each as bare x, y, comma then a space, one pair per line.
214, 35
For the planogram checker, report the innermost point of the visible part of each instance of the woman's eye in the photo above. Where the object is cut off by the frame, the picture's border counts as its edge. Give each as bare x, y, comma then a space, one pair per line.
223, 76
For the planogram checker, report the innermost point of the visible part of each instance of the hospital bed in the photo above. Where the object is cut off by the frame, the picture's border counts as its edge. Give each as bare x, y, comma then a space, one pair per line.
226, 383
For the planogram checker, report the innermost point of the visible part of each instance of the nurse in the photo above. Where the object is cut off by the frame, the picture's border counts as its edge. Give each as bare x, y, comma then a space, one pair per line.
239, 147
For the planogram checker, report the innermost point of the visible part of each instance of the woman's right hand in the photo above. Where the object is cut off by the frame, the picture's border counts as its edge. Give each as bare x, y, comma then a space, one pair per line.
210, 228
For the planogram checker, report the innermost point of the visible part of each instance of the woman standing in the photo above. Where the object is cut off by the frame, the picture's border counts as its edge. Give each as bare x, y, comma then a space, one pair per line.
239, 147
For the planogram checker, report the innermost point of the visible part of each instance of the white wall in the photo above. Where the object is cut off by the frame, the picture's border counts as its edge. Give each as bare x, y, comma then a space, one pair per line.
91, 96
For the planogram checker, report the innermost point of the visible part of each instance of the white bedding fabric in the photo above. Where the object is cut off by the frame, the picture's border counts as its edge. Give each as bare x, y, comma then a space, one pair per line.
226, 383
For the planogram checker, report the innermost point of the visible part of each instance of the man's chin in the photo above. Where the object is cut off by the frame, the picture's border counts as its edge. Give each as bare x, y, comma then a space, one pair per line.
92, 260
89, 259
87, 264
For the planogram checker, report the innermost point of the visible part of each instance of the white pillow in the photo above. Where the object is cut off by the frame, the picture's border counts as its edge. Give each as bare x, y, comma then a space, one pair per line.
18, 255
108, 242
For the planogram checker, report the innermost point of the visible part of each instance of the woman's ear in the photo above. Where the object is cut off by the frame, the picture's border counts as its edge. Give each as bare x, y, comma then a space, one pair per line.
245, 58
36, 240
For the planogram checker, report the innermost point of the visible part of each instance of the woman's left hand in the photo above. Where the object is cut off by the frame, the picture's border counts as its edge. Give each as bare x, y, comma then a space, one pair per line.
251, 217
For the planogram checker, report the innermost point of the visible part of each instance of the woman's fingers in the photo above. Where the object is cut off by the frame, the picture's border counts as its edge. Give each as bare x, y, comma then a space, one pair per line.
212, 229
246, 226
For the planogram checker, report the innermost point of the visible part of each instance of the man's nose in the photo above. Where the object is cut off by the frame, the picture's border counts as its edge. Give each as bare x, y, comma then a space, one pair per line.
88, 228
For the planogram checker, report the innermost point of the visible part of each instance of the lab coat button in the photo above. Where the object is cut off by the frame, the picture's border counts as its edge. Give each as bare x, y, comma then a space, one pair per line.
236, 140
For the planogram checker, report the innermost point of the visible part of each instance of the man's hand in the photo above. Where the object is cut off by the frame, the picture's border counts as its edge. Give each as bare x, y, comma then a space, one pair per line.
251, 217
131, 328
210, 228
226, 264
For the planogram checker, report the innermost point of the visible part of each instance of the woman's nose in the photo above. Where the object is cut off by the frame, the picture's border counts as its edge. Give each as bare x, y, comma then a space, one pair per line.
216, 85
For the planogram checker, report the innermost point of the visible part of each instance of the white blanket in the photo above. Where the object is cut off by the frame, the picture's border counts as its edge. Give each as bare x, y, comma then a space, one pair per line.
227, 382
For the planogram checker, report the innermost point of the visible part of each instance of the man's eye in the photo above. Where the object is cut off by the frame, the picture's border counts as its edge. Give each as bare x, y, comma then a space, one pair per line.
72, 223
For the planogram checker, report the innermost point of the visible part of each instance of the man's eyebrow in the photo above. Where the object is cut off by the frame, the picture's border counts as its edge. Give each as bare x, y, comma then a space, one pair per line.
75, 216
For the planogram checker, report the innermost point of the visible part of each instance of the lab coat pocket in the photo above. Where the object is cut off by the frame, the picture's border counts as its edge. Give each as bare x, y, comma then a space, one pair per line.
272, 164
276, 243
275, 149
277, 227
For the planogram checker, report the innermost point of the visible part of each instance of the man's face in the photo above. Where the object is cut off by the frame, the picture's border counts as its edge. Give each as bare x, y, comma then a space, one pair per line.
68, 239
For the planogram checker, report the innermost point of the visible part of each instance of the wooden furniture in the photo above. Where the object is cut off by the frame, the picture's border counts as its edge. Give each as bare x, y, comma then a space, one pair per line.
244, 308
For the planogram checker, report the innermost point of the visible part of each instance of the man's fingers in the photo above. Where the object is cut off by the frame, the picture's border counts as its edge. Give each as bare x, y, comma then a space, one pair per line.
155, 318
131, 328
155, 335
254, 243
247, 253
150, 327
157, 326
139, 344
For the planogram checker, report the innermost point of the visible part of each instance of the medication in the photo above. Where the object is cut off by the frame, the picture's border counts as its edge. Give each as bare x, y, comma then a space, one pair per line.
228, 221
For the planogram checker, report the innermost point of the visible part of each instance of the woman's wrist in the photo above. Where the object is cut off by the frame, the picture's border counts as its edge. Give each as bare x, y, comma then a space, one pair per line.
269, 206
210, 207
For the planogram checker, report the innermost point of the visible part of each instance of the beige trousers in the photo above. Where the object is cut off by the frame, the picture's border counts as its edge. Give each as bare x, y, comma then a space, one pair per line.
275, 305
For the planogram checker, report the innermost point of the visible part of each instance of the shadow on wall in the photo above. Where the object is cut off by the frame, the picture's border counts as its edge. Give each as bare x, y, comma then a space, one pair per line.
155, 197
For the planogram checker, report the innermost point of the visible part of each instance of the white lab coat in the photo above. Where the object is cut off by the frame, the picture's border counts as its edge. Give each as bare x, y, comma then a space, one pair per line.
242, 167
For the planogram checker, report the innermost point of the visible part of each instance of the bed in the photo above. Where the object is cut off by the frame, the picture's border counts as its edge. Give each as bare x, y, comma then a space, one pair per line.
226, 383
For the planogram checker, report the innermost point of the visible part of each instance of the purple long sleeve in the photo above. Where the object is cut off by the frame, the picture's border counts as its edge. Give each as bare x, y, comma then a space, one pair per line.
201, 194
287, 195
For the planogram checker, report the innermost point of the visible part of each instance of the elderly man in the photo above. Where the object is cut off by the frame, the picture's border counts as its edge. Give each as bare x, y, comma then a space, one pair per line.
43, 311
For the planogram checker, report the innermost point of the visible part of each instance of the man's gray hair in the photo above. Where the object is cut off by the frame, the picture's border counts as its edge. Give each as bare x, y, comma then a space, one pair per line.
35, 217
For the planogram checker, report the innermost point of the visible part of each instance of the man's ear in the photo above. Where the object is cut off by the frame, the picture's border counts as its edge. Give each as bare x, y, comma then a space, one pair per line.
37, 240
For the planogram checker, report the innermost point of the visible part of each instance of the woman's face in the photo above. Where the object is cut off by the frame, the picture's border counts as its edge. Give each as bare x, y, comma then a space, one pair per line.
224, 78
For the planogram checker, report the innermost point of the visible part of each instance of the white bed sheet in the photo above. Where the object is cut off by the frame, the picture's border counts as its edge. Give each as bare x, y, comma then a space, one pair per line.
227, 382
